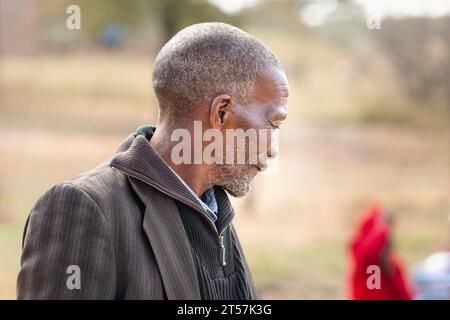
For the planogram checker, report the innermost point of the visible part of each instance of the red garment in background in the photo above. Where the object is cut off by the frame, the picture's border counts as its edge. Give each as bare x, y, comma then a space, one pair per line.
365, 249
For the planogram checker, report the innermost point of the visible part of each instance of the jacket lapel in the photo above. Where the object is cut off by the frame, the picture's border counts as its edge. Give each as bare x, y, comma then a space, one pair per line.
164, 229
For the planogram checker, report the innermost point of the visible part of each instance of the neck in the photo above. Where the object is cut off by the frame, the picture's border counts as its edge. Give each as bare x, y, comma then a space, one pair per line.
196, 176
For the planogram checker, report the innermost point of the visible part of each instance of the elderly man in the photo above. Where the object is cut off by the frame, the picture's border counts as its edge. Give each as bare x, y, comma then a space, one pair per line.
145, 225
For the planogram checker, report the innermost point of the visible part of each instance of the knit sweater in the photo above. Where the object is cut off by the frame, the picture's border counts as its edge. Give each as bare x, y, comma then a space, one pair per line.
216, 280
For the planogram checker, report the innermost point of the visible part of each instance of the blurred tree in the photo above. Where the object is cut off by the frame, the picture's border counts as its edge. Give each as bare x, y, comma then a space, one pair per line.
419, 51
176, 14
168, 16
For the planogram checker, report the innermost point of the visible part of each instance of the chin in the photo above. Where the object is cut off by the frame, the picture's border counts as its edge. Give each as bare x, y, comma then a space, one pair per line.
238, 193
237, 182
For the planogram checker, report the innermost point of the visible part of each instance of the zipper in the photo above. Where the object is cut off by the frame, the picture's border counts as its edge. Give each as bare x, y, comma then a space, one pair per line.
224, 261
211, 224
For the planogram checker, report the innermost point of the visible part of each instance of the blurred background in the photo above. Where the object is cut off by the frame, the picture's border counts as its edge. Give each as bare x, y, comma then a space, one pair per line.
369, 116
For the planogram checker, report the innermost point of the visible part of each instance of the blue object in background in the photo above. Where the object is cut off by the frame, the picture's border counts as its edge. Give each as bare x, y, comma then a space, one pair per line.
113, 36
432, 277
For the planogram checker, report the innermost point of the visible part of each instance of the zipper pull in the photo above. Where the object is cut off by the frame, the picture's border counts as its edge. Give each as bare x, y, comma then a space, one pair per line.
224, 262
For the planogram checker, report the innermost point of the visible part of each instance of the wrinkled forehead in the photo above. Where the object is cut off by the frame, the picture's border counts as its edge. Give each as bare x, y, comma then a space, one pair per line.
271, 87
272, 91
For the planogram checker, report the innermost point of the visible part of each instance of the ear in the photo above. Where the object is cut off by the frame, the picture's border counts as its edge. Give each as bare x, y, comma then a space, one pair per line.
220, 110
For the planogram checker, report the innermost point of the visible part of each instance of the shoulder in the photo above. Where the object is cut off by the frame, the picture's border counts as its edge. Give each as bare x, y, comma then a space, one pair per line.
100, 183
95, 188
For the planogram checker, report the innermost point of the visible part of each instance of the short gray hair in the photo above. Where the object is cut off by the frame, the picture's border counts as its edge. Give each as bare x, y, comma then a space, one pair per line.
207, 59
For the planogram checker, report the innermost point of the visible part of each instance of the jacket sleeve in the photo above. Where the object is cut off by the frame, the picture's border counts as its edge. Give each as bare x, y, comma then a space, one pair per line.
67, 250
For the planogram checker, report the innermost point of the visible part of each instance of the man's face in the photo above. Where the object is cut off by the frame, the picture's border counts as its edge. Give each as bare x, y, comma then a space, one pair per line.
263, 116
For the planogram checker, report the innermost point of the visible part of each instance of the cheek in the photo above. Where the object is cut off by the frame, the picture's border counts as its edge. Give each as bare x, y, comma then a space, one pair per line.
250, 117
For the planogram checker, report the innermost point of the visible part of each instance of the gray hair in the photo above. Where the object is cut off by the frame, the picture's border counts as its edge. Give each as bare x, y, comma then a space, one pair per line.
207, 59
